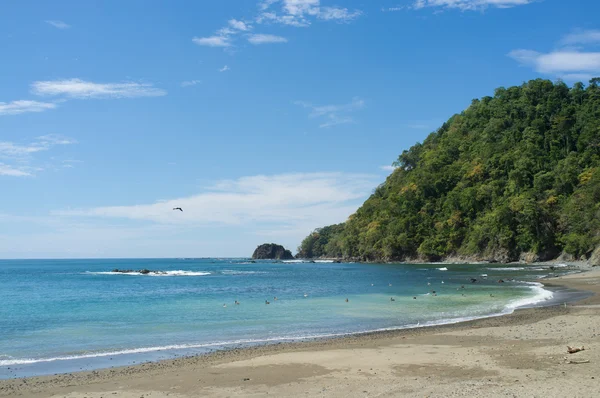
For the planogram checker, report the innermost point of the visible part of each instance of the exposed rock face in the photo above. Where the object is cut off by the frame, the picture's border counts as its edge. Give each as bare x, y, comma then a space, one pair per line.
271, 251
595, 258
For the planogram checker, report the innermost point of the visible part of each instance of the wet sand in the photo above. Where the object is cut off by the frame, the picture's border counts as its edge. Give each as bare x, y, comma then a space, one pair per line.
522, 354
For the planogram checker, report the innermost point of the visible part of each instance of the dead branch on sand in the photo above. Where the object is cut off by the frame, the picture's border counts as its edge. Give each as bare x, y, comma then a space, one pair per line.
577, 362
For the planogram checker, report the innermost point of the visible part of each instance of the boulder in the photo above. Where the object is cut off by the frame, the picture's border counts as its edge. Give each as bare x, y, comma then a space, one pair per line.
271, 251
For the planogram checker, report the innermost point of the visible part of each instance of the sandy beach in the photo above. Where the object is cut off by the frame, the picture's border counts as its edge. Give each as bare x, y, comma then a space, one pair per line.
522, 354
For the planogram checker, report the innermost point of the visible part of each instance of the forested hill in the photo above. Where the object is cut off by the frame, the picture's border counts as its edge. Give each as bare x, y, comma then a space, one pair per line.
517, 173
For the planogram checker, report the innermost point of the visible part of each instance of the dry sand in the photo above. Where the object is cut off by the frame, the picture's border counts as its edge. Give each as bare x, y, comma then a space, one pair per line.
523, 354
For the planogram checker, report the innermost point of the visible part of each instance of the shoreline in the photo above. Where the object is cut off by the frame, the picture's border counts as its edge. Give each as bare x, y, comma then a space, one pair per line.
148, 375
203, 349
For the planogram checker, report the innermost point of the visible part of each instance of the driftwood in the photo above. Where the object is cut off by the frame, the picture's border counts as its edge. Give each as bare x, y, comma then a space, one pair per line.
577, 362
573, 350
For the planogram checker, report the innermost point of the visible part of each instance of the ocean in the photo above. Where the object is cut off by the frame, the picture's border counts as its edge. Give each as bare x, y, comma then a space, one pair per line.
61, 316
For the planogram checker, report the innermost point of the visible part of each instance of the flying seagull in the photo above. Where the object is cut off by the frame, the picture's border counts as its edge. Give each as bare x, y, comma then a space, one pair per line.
177, 208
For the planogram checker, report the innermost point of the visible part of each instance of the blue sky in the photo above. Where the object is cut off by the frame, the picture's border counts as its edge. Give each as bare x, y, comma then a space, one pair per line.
262, 119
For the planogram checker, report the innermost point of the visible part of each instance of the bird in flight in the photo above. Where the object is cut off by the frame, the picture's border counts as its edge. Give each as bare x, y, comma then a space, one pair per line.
177, 208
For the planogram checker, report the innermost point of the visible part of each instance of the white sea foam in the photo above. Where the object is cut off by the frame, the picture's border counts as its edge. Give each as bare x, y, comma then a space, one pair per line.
25, 361
160, 273
235, 272
541, 295
443, 269
507, 269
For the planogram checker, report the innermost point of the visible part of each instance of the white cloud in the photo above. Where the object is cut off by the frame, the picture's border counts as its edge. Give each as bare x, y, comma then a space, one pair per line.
568, 65
265, 39
290, 20
284, 200
338, 14
300, 12
7, 170
189, 83
334, 114
566, 62
467, 5
213, 41
22, 106
388, 168
42, 143
239, 25
582, 37
81, 89
224, 69
58, 24
20, 156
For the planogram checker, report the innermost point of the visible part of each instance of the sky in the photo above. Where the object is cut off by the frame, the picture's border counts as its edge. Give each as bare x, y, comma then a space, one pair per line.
262, 119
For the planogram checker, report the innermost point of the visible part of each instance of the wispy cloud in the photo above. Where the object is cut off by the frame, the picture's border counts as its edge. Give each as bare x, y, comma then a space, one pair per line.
213, 41
283, 200
333, 115
224, 69
24, 106
338, 14
81, 89
299, 13
58, 24
17, 159
387, 168
239, 25
189, 83
266, 39
582, 37
7, 170
468, 5
565, 62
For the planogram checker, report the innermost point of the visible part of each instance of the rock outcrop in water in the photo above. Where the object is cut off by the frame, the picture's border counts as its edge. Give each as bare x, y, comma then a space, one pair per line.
271, 251
141, 271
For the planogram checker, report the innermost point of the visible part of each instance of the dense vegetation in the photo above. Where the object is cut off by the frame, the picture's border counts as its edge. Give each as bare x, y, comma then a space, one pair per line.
515, 173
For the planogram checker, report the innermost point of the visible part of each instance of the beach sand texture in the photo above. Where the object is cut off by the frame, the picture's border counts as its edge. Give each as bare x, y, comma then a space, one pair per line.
518, 355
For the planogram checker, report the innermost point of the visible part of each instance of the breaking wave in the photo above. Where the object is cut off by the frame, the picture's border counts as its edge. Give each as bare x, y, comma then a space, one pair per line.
154, 273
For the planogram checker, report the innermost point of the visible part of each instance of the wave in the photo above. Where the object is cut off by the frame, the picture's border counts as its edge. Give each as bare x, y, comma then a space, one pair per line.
506, 269
235, 272
294, 261
160, 273
540, 295
443, 269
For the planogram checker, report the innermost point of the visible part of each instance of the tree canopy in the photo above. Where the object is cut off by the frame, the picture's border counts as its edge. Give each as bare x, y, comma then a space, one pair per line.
514, 173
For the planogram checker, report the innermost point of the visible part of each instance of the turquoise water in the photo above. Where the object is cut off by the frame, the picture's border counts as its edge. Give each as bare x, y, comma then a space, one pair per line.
67, 315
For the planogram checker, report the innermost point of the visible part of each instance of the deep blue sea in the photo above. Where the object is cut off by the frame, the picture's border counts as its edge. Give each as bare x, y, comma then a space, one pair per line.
67, 315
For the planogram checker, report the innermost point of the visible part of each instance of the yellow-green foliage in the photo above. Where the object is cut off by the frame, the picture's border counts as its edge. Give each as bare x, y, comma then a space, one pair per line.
516, 172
